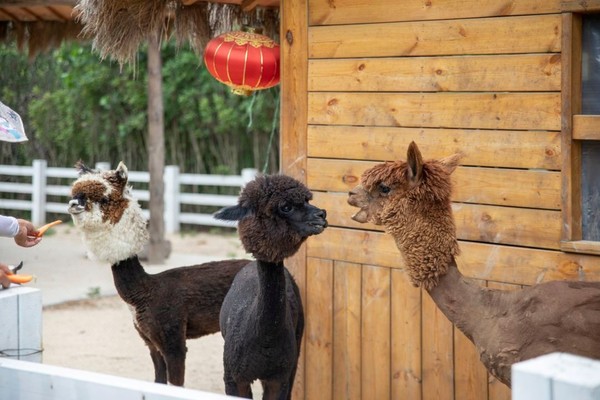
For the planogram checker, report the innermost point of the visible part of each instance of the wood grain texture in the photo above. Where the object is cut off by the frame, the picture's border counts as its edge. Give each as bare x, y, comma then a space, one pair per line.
531, 72
474, 222
406, 338
498, 263
580, 5
506, 35
347, 331
493, 186
375, 321
357, 11
319, 329
294, 69
489, 148
437, 353
571, 150
586, 127
533, 111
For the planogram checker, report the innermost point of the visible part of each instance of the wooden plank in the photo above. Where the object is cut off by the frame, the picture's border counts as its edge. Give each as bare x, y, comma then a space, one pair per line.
580, 246
531, 72
406, 338
508, 225
507, 35
586, 127
505, 187
496, 389
319, 329
470, 376
510, 149
294, 67
347, 331
474, 222
571, 150
580, 5
438, 353
355, 11
375, 322
510, 264
529, 111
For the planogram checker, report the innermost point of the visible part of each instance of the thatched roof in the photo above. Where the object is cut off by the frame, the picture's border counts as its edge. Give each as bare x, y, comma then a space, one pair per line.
119, 27
38, 25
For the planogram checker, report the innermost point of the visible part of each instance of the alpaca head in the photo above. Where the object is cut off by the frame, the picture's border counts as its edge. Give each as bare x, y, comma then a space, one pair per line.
275, 217
411, 199
103, 209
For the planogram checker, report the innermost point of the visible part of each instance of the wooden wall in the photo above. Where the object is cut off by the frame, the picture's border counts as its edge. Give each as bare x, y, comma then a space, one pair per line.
360, 80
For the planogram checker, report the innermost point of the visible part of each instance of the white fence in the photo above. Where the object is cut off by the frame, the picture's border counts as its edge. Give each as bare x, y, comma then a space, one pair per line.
38, 189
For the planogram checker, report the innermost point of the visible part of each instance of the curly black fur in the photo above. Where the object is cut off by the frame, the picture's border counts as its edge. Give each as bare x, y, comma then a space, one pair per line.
262, 319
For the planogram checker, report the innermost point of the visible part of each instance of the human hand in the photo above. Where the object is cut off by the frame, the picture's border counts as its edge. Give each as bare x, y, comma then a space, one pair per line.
4, 272
27, 236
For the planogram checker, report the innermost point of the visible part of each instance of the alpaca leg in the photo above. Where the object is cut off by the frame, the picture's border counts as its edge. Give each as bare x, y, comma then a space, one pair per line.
176, 368
160, 368
233, 388
274, 390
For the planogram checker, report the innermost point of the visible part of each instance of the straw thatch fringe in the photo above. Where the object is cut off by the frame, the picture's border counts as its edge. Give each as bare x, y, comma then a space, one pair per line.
119, 27
39, 36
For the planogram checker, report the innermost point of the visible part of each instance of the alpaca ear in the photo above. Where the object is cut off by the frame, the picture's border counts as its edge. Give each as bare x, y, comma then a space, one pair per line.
232, 213
83, 169
415, 163
451, 162
121, 171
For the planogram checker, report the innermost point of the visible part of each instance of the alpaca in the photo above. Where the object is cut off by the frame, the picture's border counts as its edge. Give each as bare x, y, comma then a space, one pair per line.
168, 307
412, 201
262, 319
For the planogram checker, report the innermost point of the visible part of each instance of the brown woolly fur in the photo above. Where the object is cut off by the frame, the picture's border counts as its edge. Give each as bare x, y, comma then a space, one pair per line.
412, 200
262, 235
427, 247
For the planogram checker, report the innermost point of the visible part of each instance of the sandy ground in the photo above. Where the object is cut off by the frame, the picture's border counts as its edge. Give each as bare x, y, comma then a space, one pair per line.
87, 326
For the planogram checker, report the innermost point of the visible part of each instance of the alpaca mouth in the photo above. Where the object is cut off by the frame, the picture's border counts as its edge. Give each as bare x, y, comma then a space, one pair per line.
75, 208
318, 226
361, 216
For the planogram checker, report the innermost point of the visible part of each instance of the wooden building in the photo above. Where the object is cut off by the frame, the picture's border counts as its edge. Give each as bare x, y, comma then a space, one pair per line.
512, 85
498, 80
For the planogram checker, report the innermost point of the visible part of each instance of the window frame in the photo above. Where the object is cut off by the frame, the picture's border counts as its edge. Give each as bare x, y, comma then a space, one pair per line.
575, 126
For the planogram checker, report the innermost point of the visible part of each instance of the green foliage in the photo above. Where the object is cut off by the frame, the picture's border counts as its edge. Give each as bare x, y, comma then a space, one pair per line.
75, 106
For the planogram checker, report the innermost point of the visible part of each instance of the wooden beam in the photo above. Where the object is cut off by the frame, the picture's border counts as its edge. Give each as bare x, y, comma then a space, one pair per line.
34, 3
580, 5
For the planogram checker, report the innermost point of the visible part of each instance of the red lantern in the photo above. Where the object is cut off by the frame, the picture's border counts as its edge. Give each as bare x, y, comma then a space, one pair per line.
244, 61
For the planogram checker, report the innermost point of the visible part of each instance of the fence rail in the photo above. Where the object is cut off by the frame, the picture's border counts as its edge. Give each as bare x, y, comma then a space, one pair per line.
175, 195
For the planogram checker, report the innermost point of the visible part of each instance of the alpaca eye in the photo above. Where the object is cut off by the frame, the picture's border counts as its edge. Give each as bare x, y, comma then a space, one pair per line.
286, 208
104, 200
384, 189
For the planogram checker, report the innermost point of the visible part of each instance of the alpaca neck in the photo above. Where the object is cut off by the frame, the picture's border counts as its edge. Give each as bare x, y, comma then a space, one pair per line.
130, 280
461, 300
271, 300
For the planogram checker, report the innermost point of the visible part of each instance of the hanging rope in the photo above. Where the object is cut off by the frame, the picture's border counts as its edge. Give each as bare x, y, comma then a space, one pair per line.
273, 129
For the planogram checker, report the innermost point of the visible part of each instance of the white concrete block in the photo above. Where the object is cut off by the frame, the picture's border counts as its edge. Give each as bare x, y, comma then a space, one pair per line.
556, 376
21, 323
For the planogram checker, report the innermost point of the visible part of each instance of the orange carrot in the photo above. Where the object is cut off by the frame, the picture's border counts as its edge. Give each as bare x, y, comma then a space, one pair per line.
44, 228
17, 278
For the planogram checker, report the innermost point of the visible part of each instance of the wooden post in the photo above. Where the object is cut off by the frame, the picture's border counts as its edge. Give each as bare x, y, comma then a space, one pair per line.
156, 152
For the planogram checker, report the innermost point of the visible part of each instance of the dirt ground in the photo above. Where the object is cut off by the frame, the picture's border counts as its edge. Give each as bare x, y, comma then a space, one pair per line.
87, 326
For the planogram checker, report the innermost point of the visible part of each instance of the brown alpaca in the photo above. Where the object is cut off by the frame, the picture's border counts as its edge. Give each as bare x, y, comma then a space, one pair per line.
412, 201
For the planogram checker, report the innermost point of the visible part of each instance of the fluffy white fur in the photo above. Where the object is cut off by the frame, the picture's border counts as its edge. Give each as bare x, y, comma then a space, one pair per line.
113, 244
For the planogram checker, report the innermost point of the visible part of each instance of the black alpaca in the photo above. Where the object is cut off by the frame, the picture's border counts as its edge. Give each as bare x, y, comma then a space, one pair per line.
262, 319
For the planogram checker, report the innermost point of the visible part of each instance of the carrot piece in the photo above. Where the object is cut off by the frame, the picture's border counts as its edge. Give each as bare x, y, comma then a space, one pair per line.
17, 278
44, 228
